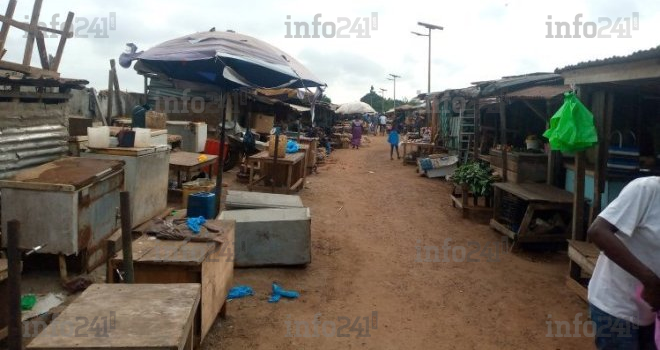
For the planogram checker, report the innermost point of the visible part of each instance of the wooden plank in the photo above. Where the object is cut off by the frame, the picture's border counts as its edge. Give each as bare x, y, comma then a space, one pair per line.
536, 192
577, 230
289, 158
41, 49
35, 95
598, 110
217, 277
115, 85
125, 151
66, 33
3, 270
190, 159
503, 140
142, 316
26, 26
32, 71
34, 23
526, 220
494, 224
585, 253
110, 97
577, 288
6, 24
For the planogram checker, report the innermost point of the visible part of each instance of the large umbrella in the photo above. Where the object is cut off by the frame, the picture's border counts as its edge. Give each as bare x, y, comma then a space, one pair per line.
356, 107
227, 60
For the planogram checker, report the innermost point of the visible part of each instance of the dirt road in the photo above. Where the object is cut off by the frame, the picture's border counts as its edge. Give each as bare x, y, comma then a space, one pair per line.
370, 217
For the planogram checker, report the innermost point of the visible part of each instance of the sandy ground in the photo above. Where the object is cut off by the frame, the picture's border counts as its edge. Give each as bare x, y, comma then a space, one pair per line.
370, 217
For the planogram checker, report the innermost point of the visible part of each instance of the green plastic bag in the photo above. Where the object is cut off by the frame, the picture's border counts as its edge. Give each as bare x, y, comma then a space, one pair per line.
572, 128
28, 301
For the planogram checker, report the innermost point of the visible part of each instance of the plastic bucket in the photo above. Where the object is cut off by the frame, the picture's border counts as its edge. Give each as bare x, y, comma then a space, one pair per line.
196, 186
99, 137
142, 137
201, 204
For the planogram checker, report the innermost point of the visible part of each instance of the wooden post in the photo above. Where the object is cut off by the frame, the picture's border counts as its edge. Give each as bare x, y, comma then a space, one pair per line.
221, 163
578, 198
60, 47
503, 140
126, 235
14, 285
110, 88
146, 90
115, 84
598, 110
34, 24
43, 53
110, 249
5, 26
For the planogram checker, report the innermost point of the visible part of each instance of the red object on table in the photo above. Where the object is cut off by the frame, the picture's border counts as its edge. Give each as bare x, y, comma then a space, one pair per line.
213, 147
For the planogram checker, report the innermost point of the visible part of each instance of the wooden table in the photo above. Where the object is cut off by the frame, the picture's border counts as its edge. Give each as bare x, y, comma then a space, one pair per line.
125, 316
188, 162
169, 261
287, 176
426, 146
537, 200
583, 257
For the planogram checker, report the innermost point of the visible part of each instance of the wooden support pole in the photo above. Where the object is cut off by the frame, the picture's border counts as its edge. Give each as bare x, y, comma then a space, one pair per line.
34, 23
60, 47
110, 88
110, 249
43, 53
126, 236
15, 341
503, 140
6, 25
598, 110
221, 137
115, 84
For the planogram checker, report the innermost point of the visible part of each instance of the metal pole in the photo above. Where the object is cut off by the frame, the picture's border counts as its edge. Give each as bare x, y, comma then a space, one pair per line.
126, 235
221, 161
428, 95
14, 285
272, 171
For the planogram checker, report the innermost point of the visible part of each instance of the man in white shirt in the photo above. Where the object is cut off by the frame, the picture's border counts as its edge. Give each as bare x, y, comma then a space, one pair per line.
382, 123
628, 235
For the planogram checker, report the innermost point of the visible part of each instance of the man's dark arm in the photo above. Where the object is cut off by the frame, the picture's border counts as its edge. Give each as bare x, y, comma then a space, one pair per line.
602, 233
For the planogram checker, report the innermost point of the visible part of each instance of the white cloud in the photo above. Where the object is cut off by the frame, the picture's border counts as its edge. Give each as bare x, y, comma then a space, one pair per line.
483, 39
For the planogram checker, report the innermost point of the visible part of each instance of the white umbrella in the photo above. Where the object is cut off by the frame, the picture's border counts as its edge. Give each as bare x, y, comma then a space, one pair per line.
356, 107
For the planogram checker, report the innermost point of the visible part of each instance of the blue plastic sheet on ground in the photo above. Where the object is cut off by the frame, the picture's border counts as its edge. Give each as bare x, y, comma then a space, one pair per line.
278, 293
292, 146
239, 292
195, 224
426, 164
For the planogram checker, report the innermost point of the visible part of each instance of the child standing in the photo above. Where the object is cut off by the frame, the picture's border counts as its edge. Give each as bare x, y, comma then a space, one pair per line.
393, 140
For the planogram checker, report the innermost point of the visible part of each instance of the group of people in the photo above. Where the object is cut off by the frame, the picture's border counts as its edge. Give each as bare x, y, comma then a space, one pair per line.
357, 128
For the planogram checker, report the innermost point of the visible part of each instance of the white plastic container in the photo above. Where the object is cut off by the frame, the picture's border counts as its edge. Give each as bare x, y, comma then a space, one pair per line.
99, 137
142, 137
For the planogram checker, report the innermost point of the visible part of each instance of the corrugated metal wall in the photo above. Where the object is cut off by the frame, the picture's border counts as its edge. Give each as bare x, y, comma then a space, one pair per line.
31, 134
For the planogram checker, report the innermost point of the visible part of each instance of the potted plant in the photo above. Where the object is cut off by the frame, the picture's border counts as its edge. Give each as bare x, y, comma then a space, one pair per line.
475, 177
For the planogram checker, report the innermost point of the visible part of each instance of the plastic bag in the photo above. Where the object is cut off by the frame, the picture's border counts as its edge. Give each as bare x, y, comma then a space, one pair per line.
195, 224
292, 146
278, 293
572, 127
239, 292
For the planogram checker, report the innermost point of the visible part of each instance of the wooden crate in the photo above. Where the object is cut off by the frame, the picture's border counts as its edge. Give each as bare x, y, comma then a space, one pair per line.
167, 261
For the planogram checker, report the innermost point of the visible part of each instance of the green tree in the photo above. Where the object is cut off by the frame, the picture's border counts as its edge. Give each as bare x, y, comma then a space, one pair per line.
377, 102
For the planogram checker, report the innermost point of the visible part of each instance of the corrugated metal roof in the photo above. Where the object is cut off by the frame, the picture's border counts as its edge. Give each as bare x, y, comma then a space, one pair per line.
512, 83
636, 56
544, 92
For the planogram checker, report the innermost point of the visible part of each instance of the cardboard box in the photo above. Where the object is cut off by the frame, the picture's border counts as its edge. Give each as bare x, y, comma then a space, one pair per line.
263, 123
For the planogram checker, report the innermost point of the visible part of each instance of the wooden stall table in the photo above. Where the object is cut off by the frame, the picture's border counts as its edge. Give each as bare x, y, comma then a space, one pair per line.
184, 261
288, 175
425, 146
125, 316
187, 162
584, 255
517, 207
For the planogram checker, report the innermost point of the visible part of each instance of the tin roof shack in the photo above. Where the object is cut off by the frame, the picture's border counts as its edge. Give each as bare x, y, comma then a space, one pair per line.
623, 93
454, 125
514, 113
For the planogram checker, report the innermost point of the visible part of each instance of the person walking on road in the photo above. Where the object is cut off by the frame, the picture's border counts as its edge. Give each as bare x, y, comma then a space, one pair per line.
356, 132
393, 140
382, 123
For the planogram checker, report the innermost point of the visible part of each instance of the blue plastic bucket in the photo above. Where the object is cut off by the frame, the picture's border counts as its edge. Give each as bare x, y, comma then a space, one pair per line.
202, 204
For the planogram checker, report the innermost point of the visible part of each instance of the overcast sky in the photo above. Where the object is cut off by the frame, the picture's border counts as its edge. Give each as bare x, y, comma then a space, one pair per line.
481, 40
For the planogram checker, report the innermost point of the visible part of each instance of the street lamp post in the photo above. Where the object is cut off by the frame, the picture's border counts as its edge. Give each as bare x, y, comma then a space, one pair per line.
393, 78
382, 100
430, 27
